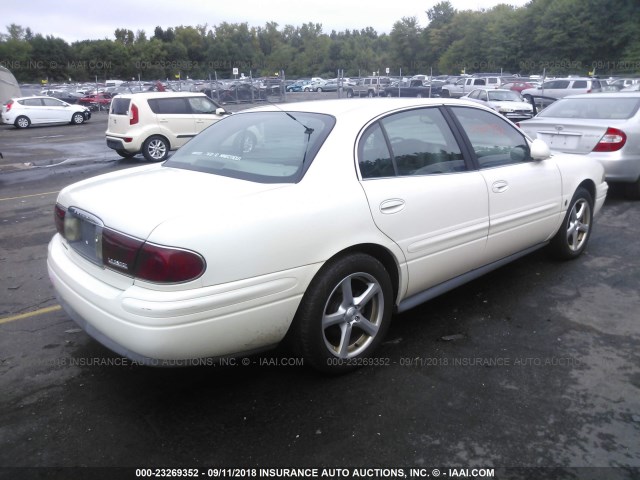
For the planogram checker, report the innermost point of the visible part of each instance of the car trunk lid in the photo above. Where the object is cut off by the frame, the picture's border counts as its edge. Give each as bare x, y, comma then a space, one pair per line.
570, 136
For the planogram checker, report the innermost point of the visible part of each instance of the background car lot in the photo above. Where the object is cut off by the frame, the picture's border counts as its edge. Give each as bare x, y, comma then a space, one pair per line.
534, 365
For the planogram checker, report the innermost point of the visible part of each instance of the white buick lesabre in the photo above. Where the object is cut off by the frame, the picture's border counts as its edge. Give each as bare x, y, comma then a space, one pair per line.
313, 222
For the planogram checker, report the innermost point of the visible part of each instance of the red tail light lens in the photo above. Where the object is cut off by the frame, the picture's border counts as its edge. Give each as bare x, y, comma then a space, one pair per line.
58, 218
612, 141
168, 265
133, 114
131, 256
119, 251
147, 261
9, 105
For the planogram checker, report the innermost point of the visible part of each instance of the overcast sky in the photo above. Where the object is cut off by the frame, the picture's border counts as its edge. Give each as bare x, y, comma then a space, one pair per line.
74, 20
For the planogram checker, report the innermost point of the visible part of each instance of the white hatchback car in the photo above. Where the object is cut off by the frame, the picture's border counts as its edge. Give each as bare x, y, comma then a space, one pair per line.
154, 123
342, 214
26, 111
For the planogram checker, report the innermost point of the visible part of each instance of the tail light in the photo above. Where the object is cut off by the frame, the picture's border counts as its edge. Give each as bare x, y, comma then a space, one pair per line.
612, 141
133, 114
139, 259
9, 105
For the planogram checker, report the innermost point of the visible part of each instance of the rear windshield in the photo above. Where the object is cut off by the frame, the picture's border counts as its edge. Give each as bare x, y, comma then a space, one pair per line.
263, 147
593, 108
120, 106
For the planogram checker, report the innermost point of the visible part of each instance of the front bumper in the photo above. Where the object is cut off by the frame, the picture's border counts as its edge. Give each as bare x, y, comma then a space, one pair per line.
152, 326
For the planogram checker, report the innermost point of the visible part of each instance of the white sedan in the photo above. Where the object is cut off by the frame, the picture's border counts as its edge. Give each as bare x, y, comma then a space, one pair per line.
339, 216
507, 102
26, 111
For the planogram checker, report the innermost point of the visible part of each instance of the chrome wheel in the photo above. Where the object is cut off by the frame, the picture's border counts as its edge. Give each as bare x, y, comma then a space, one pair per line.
578, 225
571, 240
344, 314
155, 149
22, 122
353, 315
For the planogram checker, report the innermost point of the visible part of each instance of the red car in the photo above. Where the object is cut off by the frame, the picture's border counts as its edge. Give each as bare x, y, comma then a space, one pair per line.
518, 86
96, 101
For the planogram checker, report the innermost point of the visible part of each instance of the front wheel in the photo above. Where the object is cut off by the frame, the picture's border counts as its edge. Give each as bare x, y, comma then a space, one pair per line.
571, 240
349, 93
344, 314
155, 148
77, 118
445, 94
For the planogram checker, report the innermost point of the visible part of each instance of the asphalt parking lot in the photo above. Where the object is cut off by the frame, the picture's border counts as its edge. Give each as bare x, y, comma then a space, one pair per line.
532, 371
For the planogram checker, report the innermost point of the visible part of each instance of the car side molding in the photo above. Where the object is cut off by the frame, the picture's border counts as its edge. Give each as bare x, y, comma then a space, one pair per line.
444, 287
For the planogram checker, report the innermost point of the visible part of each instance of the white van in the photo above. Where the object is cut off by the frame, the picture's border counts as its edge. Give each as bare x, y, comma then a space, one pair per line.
154, 123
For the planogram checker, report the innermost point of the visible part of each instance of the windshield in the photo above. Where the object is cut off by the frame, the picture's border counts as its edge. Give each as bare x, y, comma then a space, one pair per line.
504, 96
264, 147
596, 108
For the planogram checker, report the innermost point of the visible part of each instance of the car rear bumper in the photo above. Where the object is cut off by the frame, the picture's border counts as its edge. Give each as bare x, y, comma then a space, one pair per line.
618, 168
157, 327
117, 143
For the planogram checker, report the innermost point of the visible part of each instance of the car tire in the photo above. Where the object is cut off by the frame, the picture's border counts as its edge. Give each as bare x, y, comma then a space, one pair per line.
572, 237
246, 143
344, 314
125, 154
22, 122
632, 190
419, 95
371, 94
77, 118
155, 148
445, 94
349, 93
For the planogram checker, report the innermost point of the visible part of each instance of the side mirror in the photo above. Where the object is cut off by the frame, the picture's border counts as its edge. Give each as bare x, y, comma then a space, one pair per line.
221, 111
539, 150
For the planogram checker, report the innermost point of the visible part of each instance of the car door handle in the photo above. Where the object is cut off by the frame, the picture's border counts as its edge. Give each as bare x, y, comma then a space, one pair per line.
500, 186
392, 205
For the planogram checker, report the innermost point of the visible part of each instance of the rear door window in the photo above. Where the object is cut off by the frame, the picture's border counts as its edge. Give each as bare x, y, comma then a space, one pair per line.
32, 102
416, 142
175, 106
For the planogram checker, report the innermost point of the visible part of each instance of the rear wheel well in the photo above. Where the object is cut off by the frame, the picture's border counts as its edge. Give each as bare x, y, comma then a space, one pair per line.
589, 186
380, 253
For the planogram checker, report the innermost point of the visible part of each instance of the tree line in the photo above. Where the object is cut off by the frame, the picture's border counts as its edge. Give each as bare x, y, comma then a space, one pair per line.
556, 37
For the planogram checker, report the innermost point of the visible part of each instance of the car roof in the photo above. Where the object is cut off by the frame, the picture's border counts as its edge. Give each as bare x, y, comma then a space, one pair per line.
606, 95
366, 108
168, 94
31, 96
570, 78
